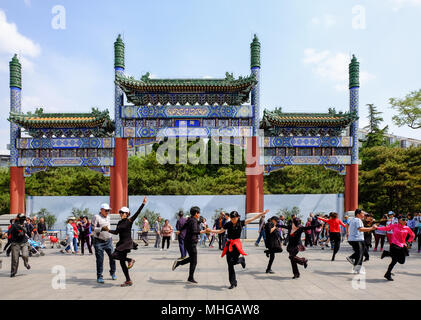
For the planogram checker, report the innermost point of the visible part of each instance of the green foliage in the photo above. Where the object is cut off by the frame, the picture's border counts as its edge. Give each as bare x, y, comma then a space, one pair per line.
151, 215
287, 213
390, 179
409, 110
49, 218
375, 136
78, 213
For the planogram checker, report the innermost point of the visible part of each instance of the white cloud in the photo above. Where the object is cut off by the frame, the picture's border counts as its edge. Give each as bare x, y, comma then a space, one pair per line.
332, 67
327, 20
398, 4
11, 41
27, 3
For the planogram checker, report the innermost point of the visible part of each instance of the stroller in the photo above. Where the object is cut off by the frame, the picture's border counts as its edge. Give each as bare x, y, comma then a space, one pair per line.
35, 248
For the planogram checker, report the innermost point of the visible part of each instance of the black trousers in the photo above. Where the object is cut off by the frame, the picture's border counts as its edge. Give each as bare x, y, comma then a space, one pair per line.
122, 256
367, 244
335, 238
192, 259
167, 239
295, 261
233, 258
221, 237
86, 240
358, 247
397, 254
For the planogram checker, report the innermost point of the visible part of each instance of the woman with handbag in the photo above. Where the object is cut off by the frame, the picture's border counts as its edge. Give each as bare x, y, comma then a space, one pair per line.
398, 246
295, 230
273, 241
125, 243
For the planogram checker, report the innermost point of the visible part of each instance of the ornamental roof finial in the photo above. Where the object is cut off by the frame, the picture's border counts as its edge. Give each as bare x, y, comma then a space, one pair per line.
255, 52
354, 73
15, 72
119, 52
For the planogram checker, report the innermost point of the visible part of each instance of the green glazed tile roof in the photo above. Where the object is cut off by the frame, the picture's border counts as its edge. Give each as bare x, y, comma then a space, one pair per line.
227, 84
60, 120
307, 119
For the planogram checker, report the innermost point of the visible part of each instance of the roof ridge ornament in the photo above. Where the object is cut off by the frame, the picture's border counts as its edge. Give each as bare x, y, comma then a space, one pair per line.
354, 73
119, 53
255, 53
15, 72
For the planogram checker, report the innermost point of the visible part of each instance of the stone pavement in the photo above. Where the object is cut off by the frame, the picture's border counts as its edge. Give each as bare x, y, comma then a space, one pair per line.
153, 278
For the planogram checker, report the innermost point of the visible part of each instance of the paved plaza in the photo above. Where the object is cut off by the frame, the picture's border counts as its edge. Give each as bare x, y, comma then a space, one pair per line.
153, 278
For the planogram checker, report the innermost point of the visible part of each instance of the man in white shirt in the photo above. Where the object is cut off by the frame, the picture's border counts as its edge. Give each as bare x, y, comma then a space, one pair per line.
356, 231
103, 241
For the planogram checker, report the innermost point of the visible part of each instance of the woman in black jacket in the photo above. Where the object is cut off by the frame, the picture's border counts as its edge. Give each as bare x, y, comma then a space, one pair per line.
273, 241
295, 229
125, 243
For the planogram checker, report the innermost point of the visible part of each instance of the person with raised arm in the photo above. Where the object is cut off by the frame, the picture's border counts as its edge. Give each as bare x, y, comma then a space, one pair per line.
233, 246
125, 243
335, 231
295, 230
398, 244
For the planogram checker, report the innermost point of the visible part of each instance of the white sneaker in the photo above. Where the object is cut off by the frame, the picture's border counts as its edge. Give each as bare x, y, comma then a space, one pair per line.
160, 249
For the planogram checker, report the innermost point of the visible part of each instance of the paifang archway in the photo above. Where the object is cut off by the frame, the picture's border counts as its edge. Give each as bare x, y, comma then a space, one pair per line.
159, 108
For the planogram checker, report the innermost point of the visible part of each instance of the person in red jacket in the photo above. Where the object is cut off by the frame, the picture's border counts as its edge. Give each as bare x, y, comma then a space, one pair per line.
335, 231
233, 246
398, 245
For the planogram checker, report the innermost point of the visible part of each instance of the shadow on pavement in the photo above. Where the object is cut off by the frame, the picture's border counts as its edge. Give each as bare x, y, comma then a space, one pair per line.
90, 283
186, 284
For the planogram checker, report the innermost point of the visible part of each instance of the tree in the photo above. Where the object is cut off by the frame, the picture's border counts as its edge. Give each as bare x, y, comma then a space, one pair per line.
409, 110
151, 215
287, 213
79, 213
49, 218
375, 136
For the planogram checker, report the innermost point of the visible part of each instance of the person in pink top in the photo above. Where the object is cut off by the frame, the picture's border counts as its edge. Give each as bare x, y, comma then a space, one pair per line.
335, 231
398, 248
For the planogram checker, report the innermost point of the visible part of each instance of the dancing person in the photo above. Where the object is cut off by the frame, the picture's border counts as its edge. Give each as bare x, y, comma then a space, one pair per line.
103, 241
356, 240
398, 247
125, 242
317, 230
145, 229
368, 236
158, 231
219, 224
233, 246
380, 235
19, 243
192, 227
295, 230
335, 232
181, 233
391, 220
411, 225
85, 235
203, 236
308, 233
273, 241
166, 233
262, 233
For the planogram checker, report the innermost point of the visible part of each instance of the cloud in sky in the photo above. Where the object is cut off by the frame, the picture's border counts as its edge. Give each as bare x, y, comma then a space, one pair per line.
327, 20
333, 67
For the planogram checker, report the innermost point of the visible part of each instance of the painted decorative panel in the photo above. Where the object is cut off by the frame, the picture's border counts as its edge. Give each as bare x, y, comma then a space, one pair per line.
65, 162
302, 160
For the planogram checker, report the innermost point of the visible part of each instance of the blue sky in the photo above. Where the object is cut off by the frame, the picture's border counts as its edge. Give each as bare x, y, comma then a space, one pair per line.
306, 47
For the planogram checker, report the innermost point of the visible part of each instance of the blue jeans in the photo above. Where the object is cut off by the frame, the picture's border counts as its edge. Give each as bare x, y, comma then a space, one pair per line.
181, 246
202, 239
101, 246
74, 241
261, 234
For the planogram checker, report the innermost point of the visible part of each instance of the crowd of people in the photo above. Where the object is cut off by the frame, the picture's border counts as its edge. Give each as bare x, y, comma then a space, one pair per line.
324, 231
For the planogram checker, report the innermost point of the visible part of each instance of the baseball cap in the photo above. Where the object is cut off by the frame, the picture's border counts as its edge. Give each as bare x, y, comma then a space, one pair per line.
105, 206
390, 212
124, 209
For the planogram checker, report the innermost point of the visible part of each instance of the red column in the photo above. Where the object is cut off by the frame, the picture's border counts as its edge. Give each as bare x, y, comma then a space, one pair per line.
119, 174
254, 174
351, 187
17, 190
